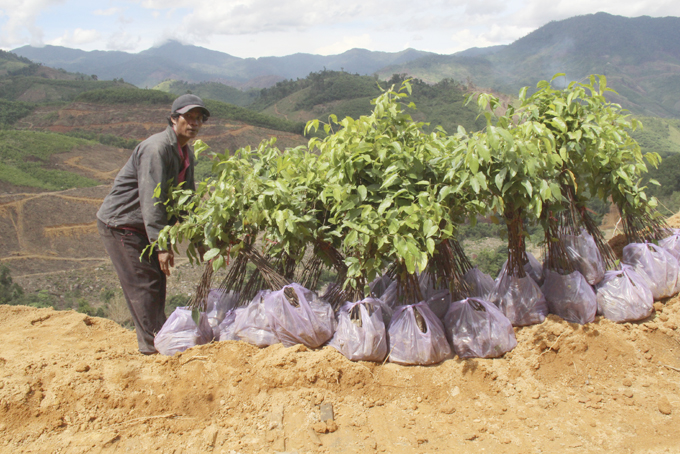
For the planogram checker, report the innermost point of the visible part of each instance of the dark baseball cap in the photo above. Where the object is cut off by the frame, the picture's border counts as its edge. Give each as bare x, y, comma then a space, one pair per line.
185, 103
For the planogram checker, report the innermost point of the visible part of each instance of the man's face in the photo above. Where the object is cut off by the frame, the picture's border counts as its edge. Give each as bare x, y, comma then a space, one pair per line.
187, 125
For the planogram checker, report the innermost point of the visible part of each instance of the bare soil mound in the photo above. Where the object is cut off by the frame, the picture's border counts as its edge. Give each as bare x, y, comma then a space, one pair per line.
73, 383
50, 231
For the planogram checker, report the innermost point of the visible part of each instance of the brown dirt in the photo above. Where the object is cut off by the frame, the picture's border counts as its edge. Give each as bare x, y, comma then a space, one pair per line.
50, 231
139, 122
72, 383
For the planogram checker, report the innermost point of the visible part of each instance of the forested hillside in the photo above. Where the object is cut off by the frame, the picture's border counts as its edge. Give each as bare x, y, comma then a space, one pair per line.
640, 57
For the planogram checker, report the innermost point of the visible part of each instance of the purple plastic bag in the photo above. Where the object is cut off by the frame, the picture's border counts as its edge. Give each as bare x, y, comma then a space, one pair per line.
439, 303
571, 297
361, 333
180, 332
585, 256
655, 265
623, 296
427, 287
389, 298
519, 299
218, 303
409, 344
478, 329
311, 323
480, 283
532, 268
380, 285
251, 325
225, 330
672, 243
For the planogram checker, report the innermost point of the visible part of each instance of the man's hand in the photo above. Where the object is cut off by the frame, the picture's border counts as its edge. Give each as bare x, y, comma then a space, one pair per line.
166, 260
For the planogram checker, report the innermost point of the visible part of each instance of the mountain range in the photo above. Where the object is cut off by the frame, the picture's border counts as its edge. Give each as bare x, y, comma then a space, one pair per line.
640, 56
177, 61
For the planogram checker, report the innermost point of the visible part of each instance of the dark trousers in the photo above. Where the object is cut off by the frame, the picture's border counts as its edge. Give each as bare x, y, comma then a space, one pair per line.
142, 281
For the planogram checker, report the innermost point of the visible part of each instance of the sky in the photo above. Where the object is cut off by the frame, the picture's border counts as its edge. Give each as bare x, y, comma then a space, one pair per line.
260, 28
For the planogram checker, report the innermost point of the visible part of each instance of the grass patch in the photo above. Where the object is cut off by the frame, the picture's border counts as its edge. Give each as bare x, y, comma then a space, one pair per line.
24, 155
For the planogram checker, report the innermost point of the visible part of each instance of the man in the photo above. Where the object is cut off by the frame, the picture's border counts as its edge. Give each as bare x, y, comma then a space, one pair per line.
131, 217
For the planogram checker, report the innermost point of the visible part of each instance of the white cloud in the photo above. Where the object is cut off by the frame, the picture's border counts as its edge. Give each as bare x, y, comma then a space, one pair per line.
77, 37
123, 41
465, 39
347, 43
20, 26
485, 7
534, 13
107, 12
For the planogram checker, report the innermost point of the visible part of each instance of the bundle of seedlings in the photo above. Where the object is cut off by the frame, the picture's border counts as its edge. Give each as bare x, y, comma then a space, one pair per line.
478, 329
672, 243
657, 267
361, 334
416, 336
624, 296
513, 161
181, 331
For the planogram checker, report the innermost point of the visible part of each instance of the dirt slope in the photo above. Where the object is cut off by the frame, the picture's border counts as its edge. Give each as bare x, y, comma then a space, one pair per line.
139, 122
71, 383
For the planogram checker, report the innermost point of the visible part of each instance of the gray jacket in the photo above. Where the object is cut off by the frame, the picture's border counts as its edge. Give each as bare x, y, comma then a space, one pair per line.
131, 202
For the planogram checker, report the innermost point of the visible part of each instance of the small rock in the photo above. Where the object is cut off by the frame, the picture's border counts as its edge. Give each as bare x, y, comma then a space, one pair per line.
320, 427
665, 406
331, 426
82, 367
535, 395
627, 382
506, 441
628, 393
658, 306
448, 409
327, 412
419, 399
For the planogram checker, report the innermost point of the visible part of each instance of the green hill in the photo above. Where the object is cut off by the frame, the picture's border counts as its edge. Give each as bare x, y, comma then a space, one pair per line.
342, 94
210, 90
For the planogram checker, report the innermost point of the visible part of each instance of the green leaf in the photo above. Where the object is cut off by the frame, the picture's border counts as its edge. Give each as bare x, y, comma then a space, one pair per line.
473, 163
392, 179
195, 315
211, 254
362, 192
430, 246
500, 177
